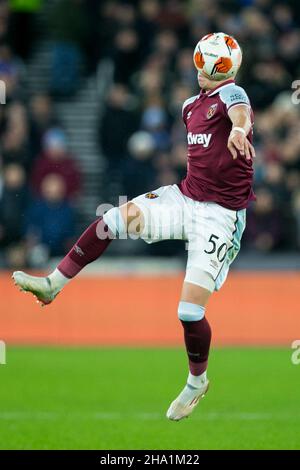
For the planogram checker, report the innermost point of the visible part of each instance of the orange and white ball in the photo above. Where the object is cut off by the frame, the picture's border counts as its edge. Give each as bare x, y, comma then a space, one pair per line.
218, 56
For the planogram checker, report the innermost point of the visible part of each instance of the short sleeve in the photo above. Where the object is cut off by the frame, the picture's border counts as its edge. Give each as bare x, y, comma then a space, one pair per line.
233, 95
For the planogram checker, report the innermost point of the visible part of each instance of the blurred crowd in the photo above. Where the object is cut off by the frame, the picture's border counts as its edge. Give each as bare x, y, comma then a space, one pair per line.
39, 179
149, 44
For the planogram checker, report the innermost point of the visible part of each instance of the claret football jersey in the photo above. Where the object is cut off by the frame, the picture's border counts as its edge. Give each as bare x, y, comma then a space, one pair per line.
212, 174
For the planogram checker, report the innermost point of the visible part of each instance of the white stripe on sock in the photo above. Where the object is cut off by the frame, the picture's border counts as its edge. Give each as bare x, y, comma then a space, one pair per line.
197, 380
58, 280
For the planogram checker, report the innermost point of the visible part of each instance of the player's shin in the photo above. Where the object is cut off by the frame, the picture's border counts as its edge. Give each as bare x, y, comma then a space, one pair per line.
92, 243
90, 246
197, 337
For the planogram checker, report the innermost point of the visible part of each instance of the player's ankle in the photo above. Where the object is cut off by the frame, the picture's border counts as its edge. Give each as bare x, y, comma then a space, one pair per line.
57, 280
197, 381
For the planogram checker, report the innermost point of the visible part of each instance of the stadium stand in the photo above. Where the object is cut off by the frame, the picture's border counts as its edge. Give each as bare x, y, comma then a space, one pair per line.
112, 80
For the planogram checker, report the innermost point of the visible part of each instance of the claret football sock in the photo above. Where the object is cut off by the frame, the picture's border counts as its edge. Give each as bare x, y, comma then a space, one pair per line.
89, 247
197, 337
92, 243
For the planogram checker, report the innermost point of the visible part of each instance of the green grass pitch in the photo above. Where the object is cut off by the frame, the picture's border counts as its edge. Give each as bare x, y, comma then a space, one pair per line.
116, 398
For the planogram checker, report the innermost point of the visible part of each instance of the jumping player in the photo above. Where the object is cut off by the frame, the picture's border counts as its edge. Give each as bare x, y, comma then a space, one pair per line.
207, 209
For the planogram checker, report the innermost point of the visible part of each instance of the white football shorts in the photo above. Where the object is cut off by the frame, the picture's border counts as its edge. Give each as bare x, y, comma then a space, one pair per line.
213, 232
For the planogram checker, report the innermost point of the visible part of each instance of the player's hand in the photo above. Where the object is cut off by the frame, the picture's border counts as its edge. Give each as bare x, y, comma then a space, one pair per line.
238, 142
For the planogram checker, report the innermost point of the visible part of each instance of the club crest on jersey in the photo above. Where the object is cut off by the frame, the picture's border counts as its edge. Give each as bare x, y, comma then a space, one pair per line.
151, 195
211, 110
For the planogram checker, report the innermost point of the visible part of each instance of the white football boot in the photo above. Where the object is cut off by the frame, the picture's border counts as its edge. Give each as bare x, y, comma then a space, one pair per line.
186, 401
40, 287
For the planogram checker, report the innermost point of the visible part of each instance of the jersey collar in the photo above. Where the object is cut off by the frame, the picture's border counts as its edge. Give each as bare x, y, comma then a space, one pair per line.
219, 87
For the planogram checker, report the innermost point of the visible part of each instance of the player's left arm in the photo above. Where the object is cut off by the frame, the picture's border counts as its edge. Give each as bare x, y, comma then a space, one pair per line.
241, 126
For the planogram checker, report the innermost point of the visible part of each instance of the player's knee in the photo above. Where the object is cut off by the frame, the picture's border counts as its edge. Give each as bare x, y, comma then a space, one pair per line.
199, 277
190, 312
124, 219
115, 221
135, 218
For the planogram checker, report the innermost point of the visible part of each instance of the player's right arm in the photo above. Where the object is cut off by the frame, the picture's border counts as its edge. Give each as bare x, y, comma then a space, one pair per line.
241, 126
237, 106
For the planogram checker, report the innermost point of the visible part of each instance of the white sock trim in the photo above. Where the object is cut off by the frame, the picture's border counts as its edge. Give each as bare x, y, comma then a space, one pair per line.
190, 312
197, 380
58, 280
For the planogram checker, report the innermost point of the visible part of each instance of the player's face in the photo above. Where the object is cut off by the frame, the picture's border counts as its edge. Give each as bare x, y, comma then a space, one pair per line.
203, 81
206, 83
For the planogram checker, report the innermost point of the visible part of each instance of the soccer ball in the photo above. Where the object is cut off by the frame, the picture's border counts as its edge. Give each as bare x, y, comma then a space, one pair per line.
218, 56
